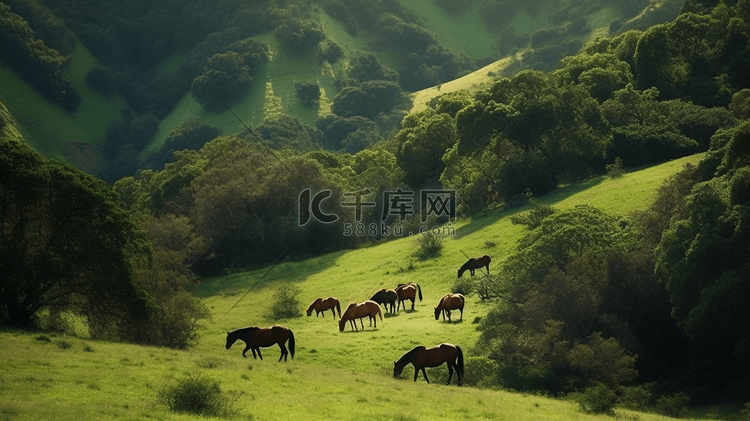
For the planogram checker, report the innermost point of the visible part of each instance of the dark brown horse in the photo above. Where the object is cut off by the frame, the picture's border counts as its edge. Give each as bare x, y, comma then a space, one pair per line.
448, 303
256, 337
421, 357
386, 298
475, 263
354, 311
321, 305
408, 292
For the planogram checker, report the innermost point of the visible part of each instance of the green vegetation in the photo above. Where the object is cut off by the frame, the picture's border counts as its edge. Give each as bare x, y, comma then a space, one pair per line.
612, 284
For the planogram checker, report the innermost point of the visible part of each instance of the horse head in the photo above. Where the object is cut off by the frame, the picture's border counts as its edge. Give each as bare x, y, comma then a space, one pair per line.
231, 339
397, 369
437, 313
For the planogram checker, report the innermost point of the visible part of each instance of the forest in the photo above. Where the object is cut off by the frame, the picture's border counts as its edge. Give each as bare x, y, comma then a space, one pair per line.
646, 305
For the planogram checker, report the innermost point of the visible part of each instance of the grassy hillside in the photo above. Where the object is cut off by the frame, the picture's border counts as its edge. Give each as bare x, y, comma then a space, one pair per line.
54, 132
335, 375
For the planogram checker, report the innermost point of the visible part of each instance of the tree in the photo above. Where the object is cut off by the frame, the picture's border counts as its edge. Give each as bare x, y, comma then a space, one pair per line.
422, 141
66, 245
225, 79
308, 93
704, 255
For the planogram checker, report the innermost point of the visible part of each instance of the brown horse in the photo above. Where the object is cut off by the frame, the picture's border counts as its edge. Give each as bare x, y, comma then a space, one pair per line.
421, 357
358, 311
475, 263
256, 337
322, 305
448, 303
386, 298
408, 292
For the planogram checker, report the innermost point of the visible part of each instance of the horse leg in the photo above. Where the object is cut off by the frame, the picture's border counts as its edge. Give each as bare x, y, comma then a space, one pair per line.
259, 354
449, 314
412, 304
450, 372
472, 272
284, 352
245, 350
424, 373
462, 314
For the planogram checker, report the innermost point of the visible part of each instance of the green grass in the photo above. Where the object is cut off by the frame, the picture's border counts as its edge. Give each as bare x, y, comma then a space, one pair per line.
335, 375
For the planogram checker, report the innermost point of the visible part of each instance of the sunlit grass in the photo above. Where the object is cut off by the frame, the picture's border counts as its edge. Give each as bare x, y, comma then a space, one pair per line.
334, 375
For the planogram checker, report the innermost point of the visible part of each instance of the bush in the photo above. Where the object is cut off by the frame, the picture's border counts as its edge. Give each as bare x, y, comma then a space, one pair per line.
480, 371
637, 398
308, 93
197, 395
286, 305
616, 169
464, 285
598, 399
674, 405
429, 245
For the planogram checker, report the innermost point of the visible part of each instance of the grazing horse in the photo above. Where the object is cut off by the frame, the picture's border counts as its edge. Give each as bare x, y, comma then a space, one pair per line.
408, 292
358, 311
475, 263
386, 298
256, 337
421, 357
448, 303
322, 305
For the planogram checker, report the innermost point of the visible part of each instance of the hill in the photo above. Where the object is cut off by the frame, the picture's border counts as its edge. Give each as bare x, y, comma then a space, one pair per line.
81, 137
334, 375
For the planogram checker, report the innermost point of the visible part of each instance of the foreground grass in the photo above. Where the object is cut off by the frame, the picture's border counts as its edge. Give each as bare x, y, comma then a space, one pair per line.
334, 375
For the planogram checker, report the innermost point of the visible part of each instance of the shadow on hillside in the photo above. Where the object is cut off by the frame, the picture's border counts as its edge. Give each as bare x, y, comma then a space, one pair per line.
289, 271
487, 218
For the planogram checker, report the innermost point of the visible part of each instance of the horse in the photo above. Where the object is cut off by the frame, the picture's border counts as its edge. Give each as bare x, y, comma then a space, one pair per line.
386, 298
408, 292
256, 337
322, 305
475, 263
448, 303
358, 311
421, 357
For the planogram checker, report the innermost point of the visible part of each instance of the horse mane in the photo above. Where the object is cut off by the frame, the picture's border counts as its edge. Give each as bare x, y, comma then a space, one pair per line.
317, 300
409, 356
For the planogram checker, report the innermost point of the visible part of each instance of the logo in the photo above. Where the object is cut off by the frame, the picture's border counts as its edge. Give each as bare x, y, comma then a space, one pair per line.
399, 204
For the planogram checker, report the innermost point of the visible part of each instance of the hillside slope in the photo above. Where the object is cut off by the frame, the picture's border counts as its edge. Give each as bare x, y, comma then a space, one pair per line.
77, 137
333, 375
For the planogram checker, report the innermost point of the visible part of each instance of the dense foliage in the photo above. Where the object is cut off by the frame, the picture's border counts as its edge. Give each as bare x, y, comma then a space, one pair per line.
66, 245
34, 61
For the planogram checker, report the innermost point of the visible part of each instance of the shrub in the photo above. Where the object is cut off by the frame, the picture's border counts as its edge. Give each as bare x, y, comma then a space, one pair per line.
429, 245
616, 169
481, 371
308, 93
464, 285
197, 395
286, 304
598, 399
637, 398
673, 405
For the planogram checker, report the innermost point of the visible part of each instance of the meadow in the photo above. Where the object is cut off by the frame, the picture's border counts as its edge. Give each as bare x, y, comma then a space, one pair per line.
334, 375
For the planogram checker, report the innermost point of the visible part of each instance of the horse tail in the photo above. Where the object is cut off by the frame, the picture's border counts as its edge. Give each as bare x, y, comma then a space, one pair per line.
460, 361
338, 307
380, 313
420, 291
291, 343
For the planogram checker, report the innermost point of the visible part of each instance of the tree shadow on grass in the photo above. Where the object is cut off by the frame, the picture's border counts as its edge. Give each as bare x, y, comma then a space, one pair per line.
482, 220
289, 271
